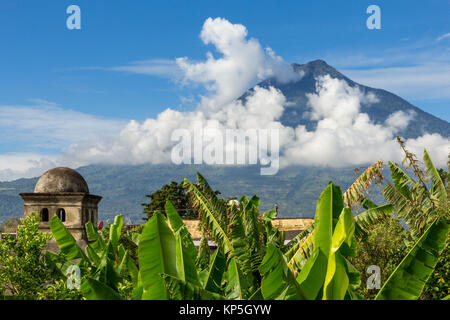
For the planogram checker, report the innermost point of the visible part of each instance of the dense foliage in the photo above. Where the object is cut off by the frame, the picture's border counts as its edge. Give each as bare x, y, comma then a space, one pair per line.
385, 246
24, 265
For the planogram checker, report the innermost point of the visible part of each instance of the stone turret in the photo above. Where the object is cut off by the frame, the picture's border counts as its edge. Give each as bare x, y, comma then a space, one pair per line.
63, 192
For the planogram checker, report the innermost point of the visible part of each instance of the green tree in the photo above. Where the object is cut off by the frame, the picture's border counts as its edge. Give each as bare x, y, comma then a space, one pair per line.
176, 194
25, 269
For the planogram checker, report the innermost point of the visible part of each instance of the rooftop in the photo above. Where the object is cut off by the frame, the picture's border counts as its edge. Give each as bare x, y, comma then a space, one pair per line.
61, 180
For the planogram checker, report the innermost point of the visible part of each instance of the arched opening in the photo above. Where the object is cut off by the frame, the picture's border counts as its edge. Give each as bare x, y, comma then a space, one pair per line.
44, 215
62, 215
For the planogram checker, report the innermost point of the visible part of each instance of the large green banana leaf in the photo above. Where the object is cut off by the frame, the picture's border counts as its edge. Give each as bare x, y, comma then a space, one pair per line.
127, 266
326, 270
236, 284
174, 218
65, 240
409, 278
95, 290
93, 256
301, 246
157, 255
185, 260
97, 243
185, 248
215, 273
106, 271
437, 188
178, 225
278, 282
329, 207
312, 275
115, 231
336, 279
328, 204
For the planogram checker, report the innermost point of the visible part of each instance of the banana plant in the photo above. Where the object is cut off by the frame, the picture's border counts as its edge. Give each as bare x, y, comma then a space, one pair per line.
301, 246
326, 274
103, 265
426, 211
167, 263
239, 230
409, 278
413, 200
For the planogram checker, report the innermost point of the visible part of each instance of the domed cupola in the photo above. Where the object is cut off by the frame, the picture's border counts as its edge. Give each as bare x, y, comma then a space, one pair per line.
63, 192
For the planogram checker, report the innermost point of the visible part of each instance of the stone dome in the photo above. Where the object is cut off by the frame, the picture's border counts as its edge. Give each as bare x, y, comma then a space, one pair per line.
61, 180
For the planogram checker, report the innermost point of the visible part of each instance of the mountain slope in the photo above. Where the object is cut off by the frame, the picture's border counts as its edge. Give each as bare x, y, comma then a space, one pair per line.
378, 112
123, 188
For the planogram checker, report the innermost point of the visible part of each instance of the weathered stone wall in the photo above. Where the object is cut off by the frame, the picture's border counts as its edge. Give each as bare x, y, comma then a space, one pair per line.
79, 208
291, 225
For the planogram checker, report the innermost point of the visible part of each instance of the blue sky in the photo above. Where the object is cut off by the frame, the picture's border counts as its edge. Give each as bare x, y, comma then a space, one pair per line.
44, 64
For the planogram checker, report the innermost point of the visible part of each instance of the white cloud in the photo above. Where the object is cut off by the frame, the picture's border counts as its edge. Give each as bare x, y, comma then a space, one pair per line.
442, 37
45, 127
346, 137
150, 141
25, 165
241, 63
50, 126
400, 119
153, 67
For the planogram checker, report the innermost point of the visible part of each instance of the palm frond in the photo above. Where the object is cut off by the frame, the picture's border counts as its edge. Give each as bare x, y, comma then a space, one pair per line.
366, 219
360, 188
437, 188
252, 222
210, 217
292, 246
412, 162
219, 205
301, 255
